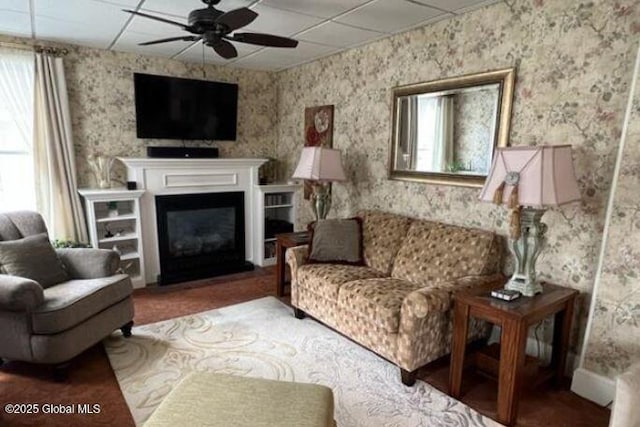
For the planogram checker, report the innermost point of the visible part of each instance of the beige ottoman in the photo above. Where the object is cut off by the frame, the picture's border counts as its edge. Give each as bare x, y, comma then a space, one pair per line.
205, 399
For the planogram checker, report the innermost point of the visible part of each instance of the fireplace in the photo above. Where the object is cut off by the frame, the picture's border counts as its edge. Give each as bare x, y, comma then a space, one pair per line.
200, 235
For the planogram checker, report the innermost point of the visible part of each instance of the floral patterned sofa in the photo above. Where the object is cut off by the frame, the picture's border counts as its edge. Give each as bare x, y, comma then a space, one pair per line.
398, 304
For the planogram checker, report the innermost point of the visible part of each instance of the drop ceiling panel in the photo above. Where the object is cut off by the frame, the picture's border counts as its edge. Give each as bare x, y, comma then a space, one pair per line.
280, 22
453, 5
72, 32
276, 59
15, 23
177, 8
143, 25
181, 8
86, 12
338, 35
323, 9
306, 50
388, 16
121, 3
84, 22
129, 42
266, 61
15, 5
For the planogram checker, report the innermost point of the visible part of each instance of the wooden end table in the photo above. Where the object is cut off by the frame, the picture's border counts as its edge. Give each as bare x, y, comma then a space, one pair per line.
283, 242
514, 318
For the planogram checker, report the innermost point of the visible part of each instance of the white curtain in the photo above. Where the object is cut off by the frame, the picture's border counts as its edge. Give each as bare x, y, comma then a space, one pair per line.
16, 91
443, 147
406, 157
56, 183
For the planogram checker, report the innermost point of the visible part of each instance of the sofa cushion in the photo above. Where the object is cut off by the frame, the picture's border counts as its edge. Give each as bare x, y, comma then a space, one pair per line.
433, 253
326, 279
336, 241
33, 258
382, 235
70, 303
378, 300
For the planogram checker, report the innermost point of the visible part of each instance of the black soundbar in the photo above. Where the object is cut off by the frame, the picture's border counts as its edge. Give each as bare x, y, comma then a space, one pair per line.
183, 152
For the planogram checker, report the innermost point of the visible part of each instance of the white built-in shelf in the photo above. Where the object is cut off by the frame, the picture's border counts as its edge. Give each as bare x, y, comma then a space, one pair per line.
129, 256
122, 237
273, 202
123, 217
98, 204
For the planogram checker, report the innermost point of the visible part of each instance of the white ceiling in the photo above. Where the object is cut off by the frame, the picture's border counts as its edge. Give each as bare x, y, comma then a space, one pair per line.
323, 27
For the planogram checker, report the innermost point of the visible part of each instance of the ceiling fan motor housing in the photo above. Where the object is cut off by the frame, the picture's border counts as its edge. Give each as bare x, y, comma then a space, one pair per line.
202, 20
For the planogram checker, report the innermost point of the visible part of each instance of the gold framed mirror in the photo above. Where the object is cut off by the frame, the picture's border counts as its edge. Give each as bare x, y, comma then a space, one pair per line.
446, 131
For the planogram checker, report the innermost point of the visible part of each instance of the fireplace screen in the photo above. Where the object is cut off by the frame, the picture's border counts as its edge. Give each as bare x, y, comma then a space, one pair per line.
202, 231
200, 235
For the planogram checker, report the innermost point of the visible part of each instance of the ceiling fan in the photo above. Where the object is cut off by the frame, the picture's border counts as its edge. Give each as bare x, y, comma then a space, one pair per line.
214, 28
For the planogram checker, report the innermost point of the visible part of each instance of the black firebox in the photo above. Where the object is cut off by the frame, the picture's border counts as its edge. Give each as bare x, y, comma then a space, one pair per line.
200, 235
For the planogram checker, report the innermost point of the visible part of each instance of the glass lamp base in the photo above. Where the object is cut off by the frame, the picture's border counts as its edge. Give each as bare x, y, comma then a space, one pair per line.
320, 201
527, 288
526, 250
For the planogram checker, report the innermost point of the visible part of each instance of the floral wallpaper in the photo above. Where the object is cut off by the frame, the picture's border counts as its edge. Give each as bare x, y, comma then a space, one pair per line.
475, 114
614, 341
101, 98
574, 61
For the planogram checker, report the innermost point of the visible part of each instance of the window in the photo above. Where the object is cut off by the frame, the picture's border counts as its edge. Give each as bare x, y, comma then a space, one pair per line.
17, 188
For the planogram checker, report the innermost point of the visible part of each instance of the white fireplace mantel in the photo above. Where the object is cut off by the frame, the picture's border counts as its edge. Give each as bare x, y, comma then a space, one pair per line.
189, 176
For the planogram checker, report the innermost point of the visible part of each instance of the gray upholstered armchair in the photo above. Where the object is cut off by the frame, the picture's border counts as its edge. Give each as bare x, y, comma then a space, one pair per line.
52, 324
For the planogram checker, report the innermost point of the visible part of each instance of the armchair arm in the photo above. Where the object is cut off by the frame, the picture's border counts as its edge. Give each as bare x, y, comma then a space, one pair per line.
84, 263
19, 293
296, 257
421, 302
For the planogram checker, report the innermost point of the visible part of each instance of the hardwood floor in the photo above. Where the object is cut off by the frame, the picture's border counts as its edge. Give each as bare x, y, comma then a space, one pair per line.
91, 379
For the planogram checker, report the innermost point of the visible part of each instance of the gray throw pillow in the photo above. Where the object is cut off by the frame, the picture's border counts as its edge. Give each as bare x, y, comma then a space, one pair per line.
33, 258
337, 241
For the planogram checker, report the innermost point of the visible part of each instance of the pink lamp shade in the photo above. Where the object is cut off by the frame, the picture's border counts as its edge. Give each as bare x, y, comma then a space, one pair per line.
544, 174
320, 164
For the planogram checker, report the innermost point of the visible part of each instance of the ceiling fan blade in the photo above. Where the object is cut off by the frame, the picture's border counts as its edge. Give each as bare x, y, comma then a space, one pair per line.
225, 49
264, 39
157, 18
237, 18
172, 39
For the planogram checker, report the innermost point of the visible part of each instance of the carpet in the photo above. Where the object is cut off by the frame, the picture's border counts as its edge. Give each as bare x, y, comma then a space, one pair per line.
261, 338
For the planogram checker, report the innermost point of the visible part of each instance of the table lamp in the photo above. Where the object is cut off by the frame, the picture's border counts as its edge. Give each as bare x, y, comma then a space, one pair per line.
529, 180
321, 166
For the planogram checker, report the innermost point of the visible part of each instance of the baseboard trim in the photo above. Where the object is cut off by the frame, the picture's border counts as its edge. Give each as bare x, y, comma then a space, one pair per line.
594, 387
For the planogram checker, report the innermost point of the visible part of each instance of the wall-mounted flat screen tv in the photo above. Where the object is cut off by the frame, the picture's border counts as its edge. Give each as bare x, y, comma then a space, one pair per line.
175, 108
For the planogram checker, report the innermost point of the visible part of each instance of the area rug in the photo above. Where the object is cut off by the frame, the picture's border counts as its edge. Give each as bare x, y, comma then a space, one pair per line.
261, 338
